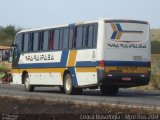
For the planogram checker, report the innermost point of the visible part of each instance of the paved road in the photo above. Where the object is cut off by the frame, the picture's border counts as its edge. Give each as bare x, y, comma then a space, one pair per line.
124, 97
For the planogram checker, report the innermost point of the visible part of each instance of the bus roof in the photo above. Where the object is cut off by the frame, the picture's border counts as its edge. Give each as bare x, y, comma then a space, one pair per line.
57, 26
83, 22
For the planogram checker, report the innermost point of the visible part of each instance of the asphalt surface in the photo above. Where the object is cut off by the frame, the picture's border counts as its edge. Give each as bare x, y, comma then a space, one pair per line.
125, 97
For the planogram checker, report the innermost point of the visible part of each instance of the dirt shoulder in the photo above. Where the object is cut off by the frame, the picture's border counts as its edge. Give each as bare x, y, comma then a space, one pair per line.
30, 109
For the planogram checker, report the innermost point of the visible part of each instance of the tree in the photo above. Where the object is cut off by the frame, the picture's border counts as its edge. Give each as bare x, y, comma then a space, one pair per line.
7, 34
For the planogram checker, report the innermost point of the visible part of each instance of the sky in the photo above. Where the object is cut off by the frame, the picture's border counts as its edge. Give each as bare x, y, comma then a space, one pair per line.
42, 13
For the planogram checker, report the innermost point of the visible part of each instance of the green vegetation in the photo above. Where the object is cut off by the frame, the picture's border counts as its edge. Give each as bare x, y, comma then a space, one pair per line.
155, 41
4, 69
1, 75
155, 45
7, 34
155, 35
155, 71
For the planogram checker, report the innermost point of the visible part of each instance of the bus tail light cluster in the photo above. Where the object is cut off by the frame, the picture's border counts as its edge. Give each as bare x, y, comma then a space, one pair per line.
102, 63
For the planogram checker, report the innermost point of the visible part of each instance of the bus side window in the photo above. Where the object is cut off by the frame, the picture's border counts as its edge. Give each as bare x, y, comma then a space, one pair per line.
90, 36
61, 39
30, 47
65, 38
35, 42
41, 40
18, 41
26, 42
56, 39
22, 43
45, 40
91, 40
71, 38
51, 40
85, 36
95, 35
79, 33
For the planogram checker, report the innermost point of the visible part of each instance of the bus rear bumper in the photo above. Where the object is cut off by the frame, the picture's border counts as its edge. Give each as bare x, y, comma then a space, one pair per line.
122, 80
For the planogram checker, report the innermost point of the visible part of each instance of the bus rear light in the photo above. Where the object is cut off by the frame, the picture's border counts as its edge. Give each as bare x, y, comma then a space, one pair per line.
101, 63
110, 75
142, 75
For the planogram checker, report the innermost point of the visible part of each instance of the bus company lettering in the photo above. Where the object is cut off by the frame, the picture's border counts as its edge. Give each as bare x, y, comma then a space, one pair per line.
126, 45
42, 57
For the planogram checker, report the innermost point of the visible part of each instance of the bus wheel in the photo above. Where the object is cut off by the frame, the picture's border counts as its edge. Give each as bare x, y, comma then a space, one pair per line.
109, 90
28, 87
68, 86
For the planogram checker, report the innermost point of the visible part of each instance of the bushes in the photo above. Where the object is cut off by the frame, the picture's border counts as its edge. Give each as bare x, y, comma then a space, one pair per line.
4, 69
7, 34
155, 47
155, 71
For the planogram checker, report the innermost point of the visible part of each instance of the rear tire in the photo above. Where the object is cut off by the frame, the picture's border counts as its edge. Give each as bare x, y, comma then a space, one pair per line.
109, 90
68, 86
28, 87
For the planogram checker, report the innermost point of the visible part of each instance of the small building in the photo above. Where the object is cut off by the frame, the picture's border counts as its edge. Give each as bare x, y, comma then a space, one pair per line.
4, 53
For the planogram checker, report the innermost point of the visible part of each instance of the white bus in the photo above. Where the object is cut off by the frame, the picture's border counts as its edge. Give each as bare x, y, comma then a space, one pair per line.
106, 54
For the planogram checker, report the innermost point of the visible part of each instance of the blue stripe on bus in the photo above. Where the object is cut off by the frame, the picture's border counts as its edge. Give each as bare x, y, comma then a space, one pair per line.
63, 62
74, 77
127, 63
86, 63
119, 27
64, 58
114, 35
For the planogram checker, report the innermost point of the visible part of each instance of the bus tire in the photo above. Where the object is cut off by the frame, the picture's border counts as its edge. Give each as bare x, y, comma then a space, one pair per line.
28, 87
109, 90
68, 86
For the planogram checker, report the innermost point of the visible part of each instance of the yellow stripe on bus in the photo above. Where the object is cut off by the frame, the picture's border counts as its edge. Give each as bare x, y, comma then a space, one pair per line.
72, 58
51, 70
43, 70
114, 27
86, 69
115, 69
119, 35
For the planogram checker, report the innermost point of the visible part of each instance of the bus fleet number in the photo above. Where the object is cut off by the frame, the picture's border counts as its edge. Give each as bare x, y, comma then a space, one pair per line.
137, 58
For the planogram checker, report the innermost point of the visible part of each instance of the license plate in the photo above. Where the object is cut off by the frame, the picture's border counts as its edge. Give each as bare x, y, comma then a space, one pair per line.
126, 78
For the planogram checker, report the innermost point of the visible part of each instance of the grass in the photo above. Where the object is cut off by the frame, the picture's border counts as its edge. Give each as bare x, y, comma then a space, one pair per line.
155, 71
1, 75
155, 35
4, 69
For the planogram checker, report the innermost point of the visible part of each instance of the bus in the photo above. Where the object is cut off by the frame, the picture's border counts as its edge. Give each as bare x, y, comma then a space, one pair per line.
106, 54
